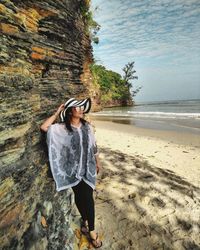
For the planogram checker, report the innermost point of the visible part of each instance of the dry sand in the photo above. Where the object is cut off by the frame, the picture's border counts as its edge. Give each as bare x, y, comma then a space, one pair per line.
148, 191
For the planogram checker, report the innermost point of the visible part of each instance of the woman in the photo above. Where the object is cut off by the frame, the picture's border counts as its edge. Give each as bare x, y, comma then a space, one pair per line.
74, 158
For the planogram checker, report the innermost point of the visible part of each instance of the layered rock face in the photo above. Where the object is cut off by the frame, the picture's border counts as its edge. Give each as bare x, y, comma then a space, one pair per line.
44, 59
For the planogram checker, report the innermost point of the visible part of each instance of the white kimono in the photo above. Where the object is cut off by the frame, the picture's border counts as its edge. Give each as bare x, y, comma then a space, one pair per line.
72, 155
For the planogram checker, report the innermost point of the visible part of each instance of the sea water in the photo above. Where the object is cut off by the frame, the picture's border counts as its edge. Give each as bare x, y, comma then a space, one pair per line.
168, 115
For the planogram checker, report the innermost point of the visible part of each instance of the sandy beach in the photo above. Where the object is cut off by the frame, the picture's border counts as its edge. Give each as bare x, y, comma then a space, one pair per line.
148, 191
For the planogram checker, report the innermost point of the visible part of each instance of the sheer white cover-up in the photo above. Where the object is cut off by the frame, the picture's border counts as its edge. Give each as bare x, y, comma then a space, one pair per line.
72, 155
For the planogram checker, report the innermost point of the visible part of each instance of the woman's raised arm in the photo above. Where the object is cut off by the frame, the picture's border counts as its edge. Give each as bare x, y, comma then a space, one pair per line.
44, 127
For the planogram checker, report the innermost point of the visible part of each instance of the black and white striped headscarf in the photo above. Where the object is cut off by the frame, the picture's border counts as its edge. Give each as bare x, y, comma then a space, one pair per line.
72, 102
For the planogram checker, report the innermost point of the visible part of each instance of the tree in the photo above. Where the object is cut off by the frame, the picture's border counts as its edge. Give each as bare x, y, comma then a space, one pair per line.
113, 87
129, 75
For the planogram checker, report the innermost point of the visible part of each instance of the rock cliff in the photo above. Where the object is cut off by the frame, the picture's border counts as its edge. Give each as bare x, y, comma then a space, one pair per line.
44, 58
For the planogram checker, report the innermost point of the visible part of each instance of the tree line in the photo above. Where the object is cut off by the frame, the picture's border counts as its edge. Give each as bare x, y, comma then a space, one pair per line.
114, 87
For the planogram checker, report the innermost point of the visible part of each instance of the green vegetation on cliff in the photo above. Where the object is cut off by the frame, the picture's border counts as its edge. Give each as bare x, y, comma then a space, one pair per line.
92, 27
115, 90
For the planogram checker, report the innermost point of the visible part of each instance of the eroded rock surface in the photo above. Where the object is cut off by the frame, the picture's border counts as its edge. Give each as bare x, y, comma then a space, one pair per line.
45, 54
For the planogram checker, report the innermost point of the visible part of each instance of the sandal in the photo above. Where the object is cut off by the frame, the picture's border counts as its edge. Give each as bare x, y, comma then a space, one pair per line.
84, 228
95, 243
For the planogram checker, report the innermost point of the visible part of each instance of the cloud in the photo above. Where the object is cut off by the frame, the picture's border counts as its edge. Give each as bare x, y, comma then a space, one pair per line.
157, 33
140, 25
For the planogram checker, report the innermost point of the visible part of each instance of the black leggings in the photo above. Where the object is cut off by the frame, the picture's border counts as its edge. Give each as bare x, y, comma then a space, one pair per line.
85, 202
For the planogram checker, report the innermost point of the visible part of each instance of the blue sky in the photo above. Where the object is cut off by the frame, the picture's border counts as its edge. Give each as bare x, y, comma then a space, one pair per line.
161, 36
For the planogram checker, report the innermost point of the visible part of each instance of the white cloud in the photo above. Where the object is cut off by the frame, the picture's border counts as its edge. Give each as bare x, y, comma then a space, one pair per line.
160, 33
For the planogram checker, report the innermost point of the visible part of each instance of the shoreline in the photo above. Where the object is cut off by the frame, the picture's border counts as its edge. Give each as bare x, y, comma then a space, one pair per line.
178, 137
186, 126
172, 150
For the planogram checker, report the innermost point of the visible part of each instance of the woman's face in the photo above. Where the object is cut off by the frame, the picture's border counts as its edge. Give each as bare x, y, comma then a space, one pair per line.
77, 112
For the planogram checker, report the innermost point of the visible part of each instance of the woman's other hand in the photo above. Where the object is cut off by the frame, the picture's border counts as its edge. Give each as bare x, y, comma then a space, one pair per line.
98, 164
98, 169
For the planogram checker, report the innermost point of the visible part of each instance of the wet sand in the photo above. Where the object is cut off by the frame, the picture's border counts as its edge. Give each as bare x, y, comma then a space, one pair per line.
148, 191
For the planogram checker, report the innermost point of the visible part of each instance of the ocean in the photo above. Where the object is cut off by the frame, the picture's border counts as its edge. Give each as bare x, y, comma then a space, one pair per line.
179, 115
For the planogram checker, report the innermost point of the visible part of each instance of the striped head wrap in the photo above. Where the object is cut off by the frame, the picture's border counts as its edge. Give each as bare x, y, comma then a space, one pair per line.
72, 102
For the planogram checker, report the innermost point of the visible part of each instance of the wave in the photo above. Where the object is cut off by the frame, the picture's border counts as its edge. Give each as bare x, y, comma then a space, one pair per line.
169, 115
165, 114
170, 103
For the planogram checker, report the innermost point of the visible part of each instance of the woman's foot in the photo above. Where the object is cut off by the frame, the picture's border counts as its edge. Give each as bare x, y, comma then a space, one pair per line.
84, 227
94, 239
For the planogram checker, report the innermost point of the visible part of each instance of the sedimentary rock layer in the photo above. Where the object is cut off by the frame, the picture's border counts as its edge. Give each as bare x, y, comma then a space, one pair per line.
45, 54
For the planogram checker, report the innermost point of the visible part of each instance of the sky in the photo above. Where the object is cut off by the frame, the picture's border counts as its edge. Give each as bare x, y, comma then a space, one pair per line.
162, 37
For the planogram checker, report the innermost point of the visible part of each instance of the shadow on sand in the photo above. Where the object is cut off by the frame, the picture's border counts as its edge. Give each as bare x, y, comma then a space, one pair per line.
143, 207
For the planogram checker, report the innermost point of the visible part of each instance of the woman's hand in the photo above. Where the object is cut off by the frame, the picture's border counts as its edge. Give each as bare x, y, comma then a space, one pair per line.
52, 118
98, 168
98, 164
60, 108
